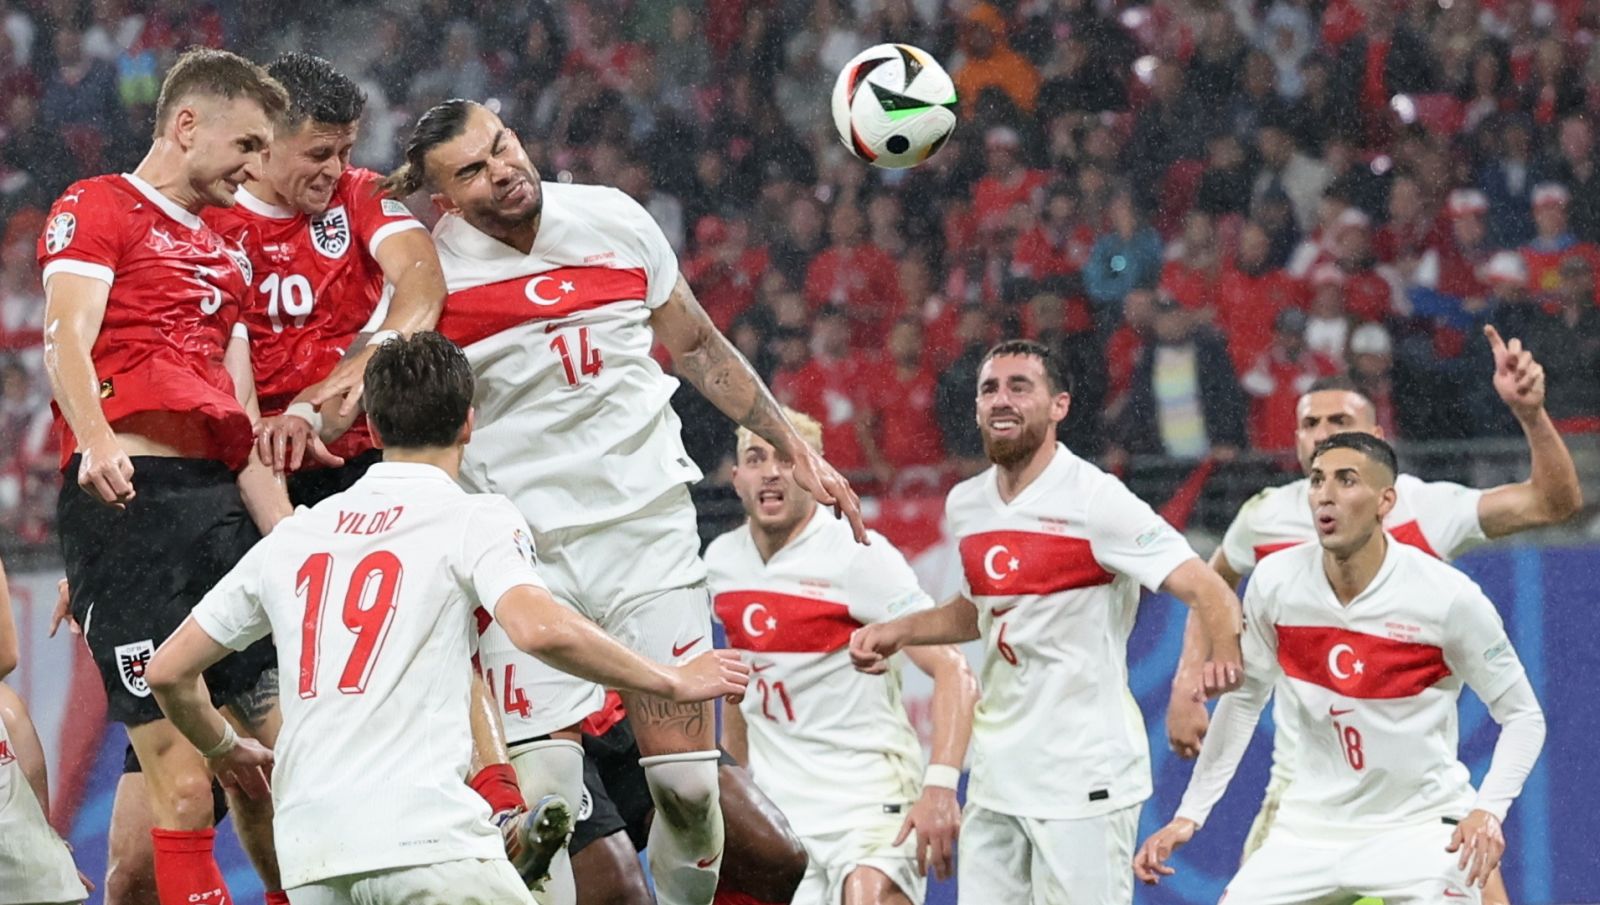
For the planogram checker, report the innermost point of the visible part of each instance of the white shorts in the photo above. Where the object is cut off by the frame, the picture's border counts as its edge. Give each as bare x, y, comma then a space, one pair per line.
466, 882
533, 698
1022, 860
1399, 866
834, 856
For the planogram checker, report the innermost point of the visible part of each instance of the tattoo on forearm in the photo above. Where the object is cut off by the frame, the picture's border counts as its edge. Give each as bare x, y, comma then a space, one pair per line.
253, 706
687, 719
719, 371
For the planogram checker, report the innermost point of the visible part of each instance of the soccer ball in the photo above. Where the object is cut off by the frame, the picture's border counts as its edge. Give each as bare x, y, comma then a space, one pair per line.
894, 105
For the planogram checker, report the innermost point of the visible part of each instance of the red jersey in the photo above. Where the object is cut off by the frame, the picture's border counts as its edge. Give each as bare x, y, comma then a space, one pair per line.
908, 433
1247, 306
176, 287
317, 284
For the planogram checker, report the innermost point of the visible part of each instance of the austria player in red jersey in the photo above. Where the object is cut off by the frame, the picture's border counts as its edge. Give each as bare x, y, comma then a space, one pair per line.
155, 401
324, 240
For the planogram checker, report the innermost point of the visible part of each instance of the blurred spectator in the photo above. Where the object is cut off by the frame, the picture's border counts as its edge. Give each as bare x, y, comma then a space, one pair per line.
1372, 369
21, 295
1286, 170
82, 91
1192, 273
988, 61
958, 387
884, 224
1574, 167
1517, 314
1572, 365
1410, 231
1171, 126
1278, 378
829, 387
1553, 242
682, 62
1323, 110
1284, 33
1257, 99
1506, 179
1275, 215
799, 239
1007, 182
1250, 296
1074, 81
1226, 185
1125, 348
36, 150
1367, 295
664, 207
855, 279
1455, 262
898, 427
1183, 402
458, 71
726, 269
1328, 328
1057, 245
1127, 256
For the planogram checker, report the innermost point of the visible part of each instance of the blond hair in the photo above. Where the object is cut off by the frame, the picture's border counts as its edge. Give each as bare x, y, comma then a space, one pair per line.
809, 429
205, 72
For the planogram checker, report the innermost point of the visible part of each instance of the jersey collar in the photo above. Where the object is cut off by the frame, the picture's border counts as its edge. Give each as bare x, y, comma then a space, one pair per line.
256, 206
1062, 459
409, 470
162, 202
810, 529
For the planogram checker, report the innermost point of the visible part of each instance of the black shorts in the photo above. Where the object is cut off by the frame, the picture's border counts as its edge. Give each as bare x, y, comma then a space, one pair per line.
616, 792
136, 573
310, 486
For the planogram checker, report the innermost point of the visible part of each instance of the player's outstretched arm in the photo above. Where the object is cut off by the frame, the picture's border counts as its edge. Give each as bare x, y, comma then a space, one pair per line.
560, 637
1216, 607
954, 621
411, 264
709, 361
74, 308
936, 815
174, 678
1552, 493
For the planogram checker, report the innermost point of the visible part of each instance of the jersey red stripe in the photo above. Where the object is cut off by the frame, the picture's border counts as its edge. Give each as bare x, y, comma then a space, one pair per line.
482, 311
1410, 534
1004, 563
783, 623
1265, 550
1358, 665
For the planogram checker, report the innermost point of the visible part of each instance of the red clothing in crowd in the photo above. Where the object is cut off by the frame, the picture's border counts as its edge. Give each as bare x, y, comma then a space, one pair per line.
830, 392
1458, 270
1122, 356
907, 432
1544, 276
864, 282
726, 290
1398, 241
1275, 384
1036, 256
1247, 305
1191, 287
993, 197
1368, 296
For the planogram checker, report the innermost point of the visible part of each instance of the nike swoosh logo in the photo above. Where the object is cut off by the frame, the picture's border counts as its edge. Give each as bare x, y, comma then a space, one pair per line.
704, 863
1452, 894
762, 668
999, 611
679, 650
1336, 712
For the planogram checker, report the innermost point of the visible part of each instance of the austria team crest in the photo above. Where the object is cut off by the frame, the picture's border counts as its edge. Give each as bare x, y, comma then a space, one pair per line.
132, 661
330, 233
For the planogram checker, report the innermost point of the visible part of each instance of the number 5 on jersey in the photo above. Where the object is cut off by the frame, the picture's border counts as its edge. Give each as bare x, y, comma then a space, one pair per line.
588, 363
368, 611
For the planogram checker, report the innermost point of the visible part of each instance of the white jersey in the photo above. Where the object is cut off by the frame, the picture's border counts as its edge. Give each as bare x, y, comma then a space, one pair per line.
574, 417
369, 598
35, 864
1437, 517
1055, 575
1371, 687
832, 747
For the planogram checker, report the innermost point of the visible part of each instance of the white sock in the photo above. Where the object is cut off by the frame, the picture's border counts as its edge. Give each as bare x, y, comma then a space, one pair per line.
686, 836
553, 767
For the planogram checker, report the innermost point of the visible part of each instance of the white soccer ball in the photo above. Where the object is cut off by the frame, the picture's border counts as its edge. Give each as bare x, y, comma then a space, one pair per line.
894, 105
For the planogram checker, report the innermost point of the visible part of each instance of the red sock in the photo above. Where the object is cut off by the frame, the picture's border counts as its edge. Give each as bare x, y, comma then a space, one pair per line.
729, 897
186, 869
278, 898
497, 783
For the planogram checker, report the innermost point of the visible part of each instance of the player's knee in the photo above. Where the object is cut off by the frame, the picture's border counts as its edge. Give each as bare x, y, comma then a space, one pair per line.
186, 800
684, 787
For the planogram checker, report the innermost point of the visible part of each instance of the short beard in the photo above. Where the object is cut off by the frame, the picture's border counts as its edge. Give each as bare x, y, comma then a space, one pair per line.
1009, 453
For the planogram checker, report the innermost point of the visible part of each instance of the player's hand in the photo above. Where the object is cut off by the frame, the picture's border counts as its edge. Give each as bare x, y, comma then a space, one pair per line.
1187, 717
63, 611
1518, 378
245, 768
348, 379
823, 482
871, 646
1150, 863
1481, 842
1224, 670
283, 441
713, 674
106, 472
936, 819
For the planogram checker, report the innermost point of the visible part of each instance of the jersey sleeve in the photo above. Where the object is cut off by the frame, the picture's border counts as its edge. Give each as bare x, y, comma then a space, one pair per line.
1238, 544
374, 216
1476, 646
83, 235
1127, 536
1448, 514
232, 612
660, 261
881, 584
498, 552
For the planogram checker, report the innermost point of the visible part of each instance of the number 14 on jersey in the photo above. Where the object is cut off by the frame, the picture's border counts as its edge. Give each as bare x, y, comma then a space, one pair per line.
588, 362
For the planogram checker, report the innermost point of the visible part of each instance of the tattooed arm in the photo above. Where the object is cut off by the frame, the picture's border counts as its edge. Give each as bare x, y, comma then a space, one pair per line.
705, 358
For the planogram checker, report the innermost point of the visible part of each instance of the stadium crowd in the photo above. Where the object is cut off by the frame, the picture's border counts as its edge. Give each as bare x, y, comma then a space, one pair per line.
1204, 205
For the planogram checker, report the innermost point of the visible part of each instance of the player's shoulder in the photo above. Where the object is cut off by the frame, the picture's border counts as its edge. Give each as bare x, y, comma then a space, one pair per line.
969, 492
1272, 501
597, 206
1423, 570
1287, 566
725, 548
1411, 485
111, 188
361, 186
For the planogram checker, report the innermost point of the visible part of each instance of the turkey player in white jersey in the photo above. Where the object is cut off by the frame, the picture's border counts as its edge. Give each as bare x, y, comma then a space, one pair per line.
558, 293
1367, 642
1053, 553
833, 747
1438, 517
371, 597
